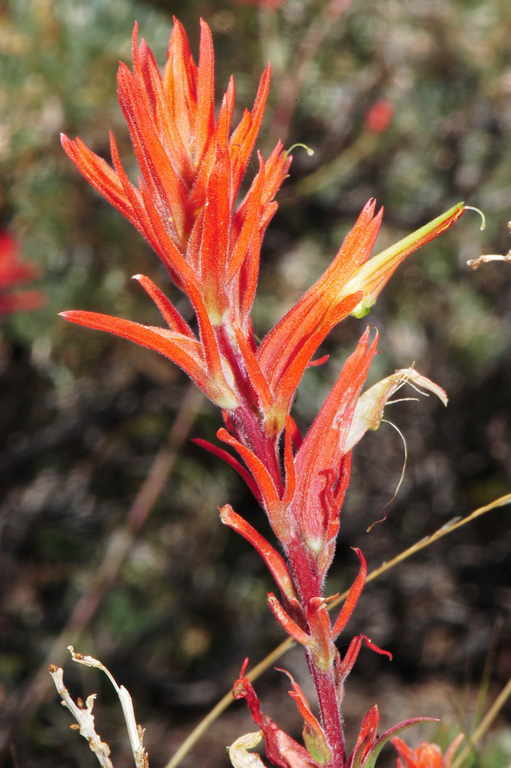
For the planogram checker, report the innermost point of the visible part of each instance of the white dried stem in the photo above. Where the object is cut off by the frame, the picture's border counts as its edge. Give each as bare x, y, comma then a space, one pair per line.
82, 713
486, 258
135, 731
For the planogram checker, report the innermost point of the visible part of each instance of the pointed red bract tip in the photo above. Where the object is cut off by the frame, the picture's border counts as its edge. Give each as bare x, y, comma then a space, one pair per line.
244, 667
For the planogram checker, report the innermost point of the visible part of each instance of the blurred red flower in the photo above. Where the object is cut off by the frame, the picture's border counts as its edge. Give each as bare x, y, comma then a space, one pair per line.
378, 118
12, 272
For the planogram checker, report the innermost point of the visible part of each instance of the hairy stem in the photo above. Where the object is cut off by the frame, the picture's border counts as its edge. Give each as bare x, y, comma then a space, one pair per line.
331, 718
308, 584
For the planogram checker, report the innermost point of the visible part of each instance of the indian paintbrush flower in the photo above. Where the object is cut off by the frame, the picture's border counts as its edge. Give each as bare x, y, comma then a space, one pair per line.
189, 207
186, 206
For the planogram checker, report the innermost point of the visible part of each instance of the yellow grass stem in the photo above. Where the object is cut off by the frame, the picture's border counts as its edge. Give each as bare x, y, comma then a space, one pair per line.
484, 725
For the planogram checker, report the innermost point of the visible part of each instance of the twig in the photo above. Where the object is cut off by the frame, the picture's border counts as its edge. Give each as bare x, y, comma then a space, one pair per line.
486, 258
85, 719
283, 647
82, 713
135, 731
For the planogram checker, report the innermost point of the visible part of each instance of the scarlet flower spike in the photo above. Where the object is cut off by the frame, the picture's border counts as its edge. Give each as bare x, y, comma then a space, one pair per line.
191, 170
185, 204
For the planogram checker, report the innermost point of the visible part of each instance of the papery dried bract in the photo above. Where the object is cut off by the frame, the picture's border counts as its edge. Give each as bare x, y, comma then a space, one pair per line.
239, 755
371, 404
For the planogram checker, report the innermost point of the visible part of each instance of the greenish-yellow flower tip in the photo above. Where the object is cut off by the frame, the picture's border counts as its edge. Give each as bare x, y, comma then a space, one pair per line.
375, 273
363, 307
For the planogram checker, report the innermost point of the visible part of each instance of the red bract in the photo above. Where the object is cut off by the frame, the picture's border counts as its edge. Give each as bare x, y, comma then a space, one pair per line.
12, 272
426, 755
370, 743
188, 206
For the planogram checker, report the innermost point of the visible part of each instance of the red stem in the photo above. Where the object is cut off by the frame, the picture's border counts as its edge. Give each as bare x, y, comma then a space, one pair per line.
329, 707
308, 584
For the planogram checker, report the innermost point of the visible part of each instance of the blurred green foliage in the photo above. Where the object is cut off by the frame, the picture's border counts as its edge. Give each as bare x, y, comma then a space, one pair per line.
83, 415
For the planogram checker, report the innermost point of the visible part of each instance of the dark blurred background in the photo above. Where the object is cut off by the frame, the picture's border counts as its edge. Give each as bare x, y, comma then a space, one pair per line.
406, 101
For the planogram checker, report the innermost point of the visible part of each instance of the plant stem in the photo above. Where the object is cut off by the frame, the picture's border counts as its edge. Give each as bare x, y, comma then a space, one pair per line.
307, 581
331, 719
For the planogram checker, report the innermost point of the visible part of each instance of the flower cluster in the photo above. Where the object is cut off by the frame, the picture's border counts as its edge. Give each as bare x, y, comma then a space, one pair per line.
206, 222
12, 272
